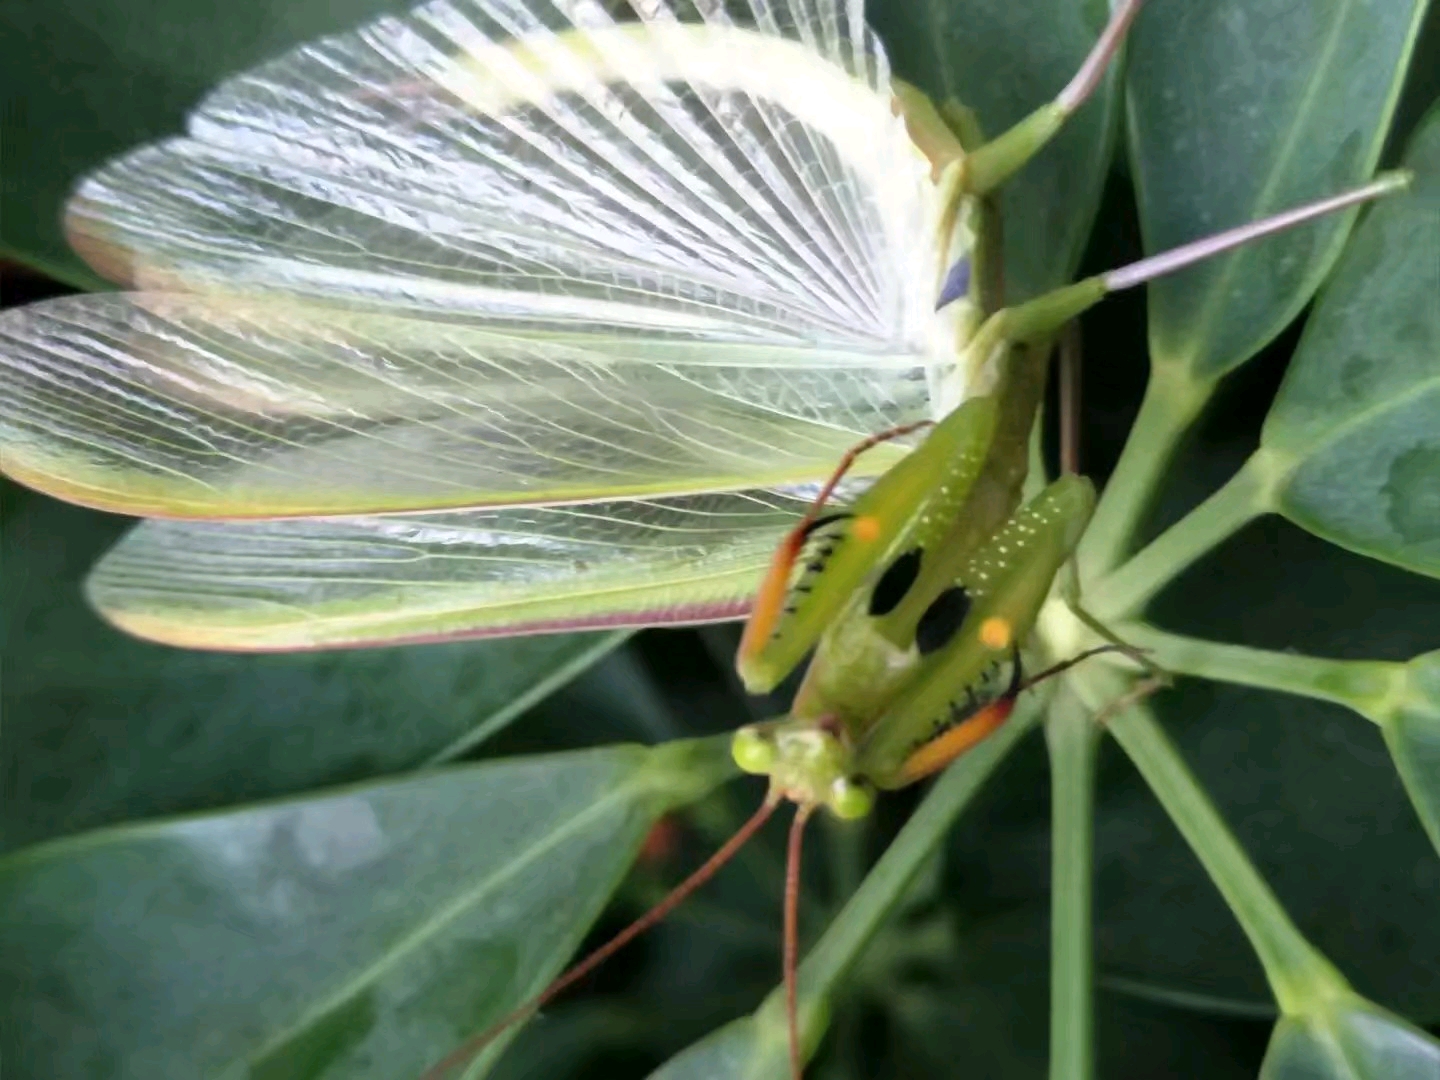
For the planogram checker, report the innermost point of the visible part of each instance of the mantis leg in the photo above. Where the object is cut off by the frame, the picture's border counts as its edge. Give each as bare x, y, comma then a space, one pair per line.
848, 459
942, 750
996, 161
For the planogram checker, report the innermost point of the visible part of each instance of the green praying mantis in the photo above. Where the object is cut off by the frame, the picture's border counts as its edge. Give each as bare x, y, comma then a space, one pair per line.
913, 601
917, 598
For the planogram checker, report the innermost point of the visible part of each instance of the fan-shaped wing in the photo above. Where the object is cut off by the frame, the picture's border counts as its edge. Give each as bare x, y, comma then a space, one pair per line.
318, 583
492, 253
540, 161
172, 405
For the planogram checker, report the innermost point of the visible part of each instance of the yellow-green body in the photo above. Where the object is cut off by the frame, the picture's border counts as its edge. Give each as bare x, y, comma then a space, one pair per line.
916, 598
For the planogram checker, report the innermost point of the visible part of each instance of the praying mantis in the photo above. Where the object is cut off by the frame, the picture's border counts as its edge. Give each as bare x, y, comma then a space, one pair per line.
913, 600
917, 596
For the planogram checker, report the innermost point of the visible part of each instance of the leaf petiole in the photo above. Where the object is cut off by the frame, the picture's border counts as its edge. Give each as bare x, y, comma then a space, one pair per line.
1366, 686
1299, 976
1072, 738
1171, 403
1245, 496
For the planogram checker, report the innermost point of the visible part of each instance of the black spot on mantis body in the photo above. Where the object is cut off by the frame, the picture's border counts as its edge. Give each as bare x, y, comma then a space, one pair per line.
895, 582
942, 619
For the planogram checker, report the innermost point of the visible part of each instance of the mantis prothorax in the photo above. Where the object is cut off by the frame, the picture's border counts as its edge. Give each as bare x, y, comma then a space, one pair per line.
917, 597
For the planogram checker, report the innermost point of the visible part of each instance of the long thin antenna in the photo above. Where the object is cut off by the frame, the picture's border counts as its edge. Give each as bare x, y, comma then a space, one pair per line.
850, 456
792, 936
1167, 262
1066, 665
1084, 82
673, 899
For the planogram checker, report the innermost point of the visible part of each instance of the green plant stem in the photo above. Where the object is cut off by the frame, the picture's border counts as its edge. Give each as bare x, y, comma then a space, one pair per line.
1298, 974
1072, 738
845, 847
1245, 495
1366, 686
885, 885
1171, 403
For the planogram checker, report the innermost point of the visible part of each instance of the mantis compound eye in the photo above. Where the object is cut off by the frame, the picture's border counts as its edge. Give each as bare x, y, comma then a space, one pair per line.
753, 752
850, 799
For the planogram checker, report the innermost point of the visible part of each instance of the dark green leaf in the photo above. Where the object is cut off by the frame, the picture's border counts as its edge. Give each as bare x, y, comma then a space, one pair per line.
1239, 108
1412, 731
1356, 425
973, 1003
362, 933
90, 78
100, 727
1004, 59
1353, 1040
989, 1018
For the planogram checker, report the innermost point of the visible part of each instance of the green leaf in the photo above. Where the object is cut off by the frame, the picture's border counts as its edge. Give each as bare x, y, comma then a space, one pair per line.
1239, 108
95, 77
1004, 59
1355, 429
361, 933
1412, 732
1351, 1040
100, 728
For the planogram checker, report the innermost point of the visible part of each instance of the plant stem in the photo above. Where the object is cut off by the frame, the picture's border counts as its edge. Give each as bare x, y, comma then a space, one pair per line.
845, 847
1298, 974
1245, 495
841, 945
1171, 403
1366, 686
1072, 737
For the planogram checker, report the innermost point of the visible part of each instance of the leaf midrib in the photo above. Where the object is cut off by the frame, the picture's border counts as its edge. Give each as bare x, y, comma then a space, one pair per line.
1205, 319
1297, 456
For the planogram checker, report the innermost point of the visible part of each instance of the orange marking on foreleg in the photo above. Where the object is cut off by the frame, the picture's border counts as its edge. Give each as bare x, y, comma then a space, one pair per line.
770, 597
849, 459
942, 750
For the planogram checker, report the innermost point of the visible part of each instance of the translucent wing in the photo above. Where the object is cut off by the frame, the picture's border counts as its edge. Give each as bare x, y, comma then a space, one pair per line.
316, 583
185, 406
491, 253
469, 257
544, 164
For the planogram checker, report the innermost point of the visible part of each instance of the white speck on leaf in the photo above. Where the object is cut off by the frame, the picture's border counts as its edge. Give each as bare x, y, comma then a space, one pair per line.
338, 835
